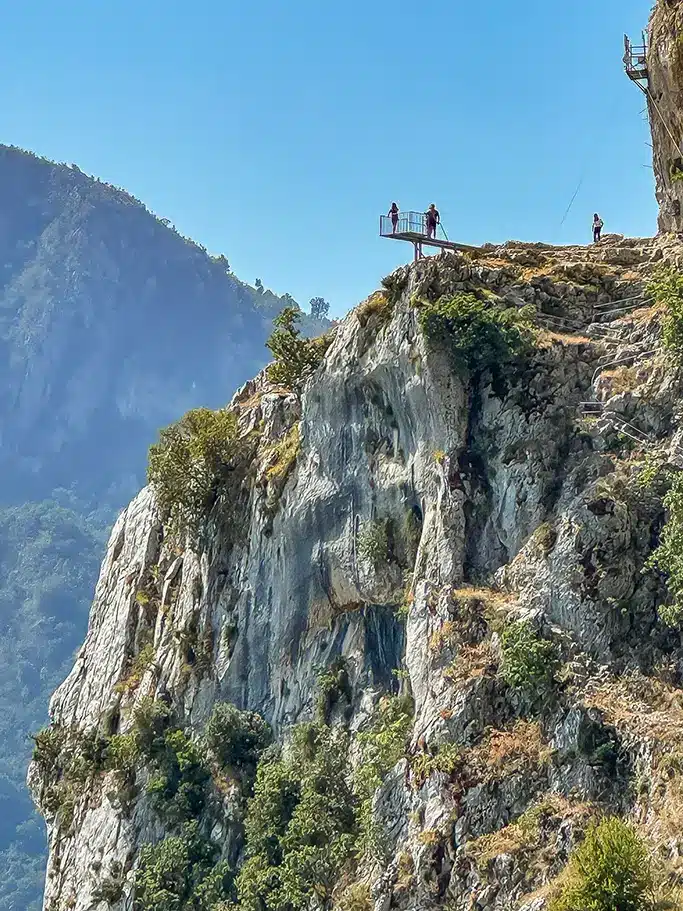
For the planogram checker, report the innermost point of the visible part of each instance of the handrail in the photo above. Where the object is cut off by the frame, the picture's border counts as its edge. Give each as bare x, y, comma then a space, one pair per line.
619, 362
621, 300
408, 223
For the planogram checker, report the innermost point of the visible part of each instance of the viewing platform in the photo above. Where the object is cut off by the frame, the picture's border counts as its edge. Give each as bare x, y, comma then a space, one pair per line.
412, 226
635, 60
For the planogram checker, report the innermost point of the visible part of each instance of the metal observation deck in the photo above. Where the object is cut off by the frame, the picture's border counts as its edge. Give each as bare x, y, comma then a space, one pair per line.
412, 226
635, 60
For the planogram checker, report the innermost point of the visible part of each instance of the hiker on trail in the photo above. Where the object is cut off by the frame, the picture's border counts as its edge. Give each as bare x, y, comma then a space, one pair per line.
393, 213
597, 227
433, 219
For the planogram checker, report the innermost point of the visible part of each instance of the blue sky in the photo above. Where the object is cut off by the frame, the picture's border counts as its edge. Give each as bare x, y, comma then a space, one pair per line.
277, 132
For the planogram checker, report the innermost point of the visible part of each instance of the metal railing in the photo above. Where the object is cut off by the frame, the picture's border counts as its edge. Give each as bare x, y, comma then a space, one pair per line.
635, 58
408, 223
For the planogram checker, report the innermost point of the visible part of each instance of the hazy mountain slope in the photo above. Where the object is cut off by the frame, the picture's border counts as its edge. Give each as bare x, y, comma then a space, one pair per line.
111, 326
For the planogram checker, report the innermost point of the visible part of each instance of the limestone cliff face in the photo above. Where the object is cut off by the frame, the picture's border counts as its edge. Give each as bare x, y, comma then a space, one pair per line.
665, 105
501, 503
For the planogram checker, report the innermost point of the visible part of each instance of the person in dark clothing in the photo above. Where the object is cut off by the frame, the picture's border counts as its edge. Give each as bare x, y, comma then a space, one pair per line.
597, 228
433, 218
393, 214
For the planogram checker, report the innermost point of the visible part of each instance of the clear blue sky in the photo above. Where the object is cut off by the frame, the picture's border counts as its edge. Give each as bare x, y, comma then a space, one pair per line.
277, 131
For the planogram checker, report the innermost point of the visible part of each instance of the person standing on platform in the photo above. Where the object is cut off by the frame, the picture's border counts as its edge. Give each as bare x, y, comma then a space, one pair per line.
597, 228
433, 219
393, 214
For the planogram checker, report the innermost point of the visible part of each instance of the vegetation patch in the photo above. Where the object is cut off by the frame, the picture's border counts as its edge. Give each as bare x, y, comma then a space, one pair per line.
382, 745
333, 686
283, 456
181, 873
236, 739
529, 662
472, 661
612, 869
666, 286
67, 760
446, 759
373, 543
301, 824
478, 335
193, 459
296, 358
379, 305
545, 537
668, 556
532, 838
138, 666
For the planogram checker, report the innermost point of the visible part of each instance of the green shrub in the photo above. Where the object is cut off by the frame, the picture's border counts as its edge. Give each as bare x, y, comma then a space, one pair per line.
670, 615
237, 739
139, 665
300, 825
67, 759
48, 744
373, 543
610, 871
124, 753
446, 759
528, 661
109, 890
150, 718
296, 358
382, 745
666, 287
478, 335
668, 556
333, 685
179, 783
180, 874
192, 459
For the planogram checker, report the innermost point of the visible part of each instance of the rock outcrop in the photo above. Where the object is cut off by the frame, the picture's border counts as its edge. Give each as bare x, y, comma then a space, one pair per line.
665, 107
399, 519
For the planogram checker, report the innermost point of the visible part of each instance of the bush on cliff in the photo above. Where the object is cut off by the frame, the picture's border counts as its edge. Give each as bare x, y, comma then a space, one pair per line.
668, 556
300, 825
180, 873
528, 660
296, 358
236, 739
188, 464
610, 871
478, 335
666, 287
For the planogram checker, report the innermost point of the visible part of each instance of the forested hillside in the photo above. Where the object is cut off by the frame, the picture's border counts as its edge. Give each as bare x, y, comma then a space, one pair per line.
111, 326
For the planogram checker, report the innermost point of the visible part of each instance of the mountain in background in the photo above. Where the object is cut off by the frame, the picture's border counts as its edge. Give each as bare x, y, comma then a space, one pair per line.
112, 325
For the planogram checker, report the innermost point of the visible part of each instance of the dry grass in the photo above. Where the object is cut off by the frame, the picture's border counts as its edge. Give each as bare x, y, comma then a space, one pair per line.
430, 837
524, 840
378, 304
513, 750
405, 871
547, 339
283, 454
623, 379
444, 637
486, 597
473, 661
252, 402
642, 707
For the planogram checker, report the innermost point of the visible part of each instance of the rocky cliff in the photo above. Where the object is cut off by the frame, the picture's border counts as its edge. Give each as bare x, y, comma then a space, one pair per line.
665, 107
426, 575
